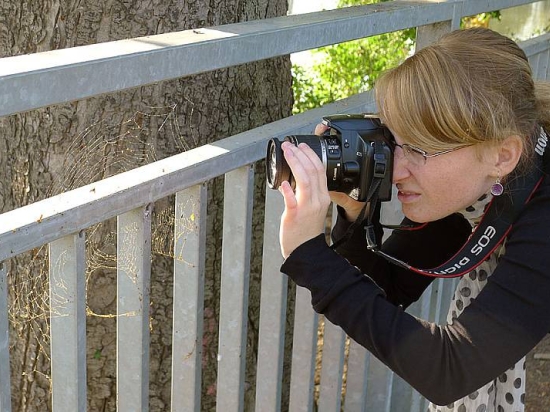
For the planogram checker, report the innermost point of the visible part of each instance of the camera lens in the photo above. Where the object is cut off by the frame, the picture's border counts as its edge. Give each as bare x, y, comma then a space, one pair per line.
277, 169
355, 152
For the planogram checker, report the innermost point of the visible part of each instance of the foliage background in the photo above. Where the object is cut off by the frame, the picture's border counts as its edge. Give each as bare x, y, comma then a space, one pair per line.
339, 71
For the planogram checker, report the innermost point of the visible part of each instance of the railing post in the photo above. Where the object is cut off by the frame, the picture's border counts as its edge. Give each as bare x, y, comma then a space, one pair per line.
235, 274
68, 323
304, 350
332, 368
379, 386
5, 391
404, 397
542, 67
332, 363
430, 33
273, 303
425, 35
356, 383
133, 287
189, 256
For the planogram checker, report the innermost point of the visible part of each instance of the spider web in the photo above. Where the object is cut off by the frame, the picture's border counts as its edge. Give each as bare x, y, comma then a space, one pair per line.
101, 150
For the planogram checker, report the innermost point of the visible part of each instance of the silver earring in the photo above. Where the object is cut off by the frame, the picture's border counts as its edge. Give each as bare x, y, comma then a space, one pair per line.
497, 189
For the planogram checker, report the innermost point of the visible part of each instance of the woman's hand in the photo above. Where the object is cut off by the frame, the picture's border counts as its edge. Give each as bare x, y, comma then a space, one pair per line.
305, 209
351, 206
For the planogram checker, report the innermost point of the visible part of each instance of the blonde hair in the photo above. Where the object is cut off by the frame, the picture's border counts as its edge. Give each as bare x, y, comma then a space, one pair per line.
472, 86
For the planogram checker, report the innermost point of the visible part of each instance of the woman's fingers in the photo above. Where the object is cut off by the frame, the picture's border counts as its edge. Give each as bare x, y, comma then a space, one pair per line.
311, 185
307, 168
352, 208
321, 128
306, 208
319, 167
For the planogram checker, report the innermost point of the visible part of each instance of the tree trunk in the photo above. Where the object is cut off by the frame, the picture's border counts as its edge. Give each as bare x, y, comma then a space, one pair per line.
54, 149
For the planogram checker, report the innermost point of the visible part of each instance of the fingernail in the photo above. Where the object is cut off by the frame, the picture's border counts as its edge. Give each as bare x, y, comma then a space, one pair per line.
287, 148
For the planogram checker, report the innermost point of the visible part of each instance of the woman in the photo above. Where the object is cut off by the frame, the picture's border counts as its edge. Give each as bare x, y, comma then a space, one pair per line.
466, 116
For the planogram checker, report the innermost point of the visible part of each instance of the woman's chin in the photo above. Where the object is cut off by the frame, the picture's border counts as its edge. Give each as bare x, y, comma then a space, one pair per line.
419, 216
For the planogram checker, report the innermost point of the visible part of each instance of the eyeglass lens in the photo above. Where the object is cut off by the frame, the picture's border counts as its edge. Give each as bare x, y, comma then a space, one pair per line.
412, 155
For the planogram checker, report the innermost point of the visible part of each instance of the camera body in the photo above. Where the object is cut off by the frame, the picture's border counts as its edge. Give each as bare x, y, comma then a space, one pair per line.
356, 151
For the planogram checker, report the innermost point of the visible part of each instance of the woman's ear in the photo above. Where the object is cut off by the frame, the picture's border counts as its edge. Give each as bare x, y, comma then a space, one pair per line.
508, 154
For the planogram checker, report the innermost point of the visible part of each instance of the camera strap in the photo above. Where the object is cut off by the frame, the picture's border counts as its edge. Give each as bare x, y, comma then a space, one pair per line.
380, 166
495, 225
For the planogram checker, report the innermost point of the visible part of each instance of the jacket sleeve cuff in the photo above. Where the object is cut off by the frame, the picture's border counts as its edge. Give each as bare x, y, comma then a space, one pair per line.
306, 260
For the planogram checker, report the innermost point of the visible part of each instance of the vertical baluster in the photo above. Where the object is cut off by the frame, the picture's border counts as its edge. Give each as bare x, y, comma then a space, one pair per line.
543, 66
437, 296
430, 33
449, 288
133, 287
5, 391
440, 306
304, 349
379, 386
235, 274
534, 62
273, 303
68, 323
189, 256
332, 368
356, 383
404, 397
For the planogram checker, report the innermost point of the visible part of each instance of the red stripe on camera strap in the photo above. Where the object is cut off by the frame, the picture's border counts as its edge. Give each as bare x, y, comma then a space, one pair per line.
495, 224
489, 234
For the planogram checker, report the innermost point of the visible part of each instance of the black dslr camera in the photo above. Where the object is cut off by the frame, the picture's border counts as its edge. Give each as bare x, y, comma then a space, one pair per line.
356, 151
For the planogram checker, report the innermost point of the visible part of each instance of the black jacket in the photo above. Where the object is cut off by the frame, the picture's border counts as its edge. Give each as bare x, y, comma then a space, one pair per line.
367, 298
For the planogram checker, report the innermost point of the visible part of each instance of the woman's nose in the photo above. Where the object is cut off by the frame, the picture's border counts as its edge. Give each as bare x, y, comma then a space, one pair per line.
400, 169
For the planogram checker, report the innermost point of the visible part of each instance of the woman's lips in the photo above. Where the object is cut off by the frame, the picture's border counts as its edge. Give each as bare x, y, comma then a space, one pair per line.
407, 197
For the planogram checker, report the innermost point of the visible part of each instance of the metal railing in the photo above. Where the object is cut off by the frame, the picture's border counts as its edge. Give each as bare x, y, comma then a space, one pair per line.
33, 81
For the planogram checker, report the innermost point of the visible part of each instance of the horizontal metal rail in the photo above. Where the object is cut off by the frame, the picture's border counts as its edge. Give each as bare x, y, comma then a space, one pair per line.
31, 81
31, 226
536, 45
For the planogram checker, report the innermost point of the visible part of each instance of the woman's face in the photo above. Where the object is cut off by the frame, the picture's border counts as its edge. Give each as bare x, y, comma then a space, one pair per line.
444, 185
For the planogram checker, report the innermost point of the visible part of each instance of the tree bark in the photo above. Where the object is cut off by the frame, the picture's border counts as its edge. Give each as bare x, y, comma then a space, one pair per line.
58, 148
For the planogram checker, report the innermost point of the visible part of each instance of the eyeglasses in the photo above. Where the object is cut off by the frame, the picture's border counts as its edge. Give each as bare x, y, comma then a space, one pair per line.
417, 156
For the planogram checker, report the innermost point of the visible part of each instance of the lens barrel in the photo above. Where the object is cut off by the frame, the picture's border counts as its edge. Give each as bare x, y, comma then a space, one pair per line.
277, 169
355, 151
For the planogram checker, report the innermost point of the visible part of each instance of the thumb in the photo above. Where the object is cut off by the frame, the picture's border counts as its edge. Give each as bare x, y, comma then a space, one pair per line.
288, 196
